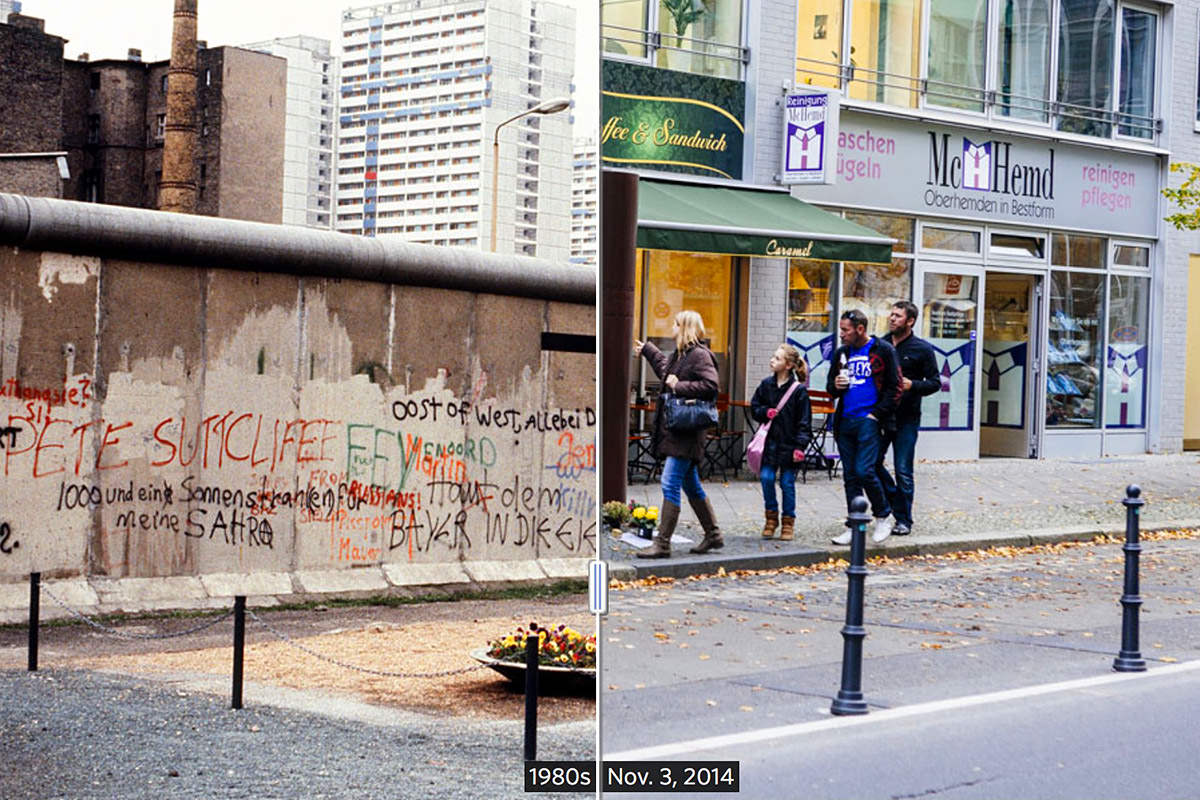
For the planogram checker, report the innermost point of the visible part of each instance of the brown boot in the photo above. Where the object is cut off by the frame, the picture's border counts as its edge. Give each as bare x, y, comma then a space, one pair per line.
662, 537
708, 521
772, 520
785, 531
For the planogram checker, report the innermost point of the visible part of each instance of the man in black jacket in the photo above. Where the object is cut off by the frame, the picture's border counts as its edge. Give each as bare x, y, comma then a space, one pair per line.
865, 381
918, 368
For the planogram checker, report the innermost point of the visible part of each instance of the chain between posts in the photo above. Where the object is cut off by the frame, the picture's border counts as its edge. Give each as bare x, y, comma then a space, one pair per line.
384, 673
122, 634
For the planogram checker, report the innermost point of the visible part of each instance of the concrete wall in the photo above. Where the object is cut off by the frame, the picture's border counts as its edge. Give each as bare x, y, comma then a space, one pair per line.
218, 426
252, 108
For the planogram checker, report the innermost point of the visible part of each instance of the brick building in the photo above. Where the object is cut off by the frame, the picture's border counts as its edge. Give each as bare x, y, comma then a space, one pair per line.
30, 79
109, 116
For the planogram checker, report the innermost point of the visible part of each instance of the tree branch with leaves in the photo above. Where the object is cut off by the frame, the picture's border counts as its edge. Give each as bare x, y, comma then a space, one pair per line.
1186, 197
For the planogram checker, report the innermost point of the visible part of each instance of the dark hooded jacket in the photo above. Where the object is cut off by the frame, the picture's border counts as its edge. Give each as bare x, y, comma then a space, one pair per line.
792, 427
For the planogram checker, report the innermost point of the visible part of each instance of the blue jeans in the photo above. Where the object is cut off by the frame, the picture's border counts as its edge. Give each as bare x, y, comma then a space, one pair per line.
681, 473
787, 485
900, 491
858, 441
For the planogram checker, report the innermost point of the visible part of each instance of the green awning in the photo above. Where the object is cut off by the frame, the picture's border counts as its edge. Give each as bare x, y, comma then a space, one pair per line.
694, 218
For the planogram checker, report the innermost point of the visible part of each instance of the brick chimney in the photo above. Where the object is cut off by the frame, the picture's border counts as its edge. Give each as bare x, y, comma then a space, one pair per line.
178, 191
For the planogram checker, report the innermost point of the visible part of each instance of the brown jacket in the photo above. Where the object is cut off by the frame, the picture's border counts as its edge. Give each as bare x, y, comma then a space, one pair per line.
696, 368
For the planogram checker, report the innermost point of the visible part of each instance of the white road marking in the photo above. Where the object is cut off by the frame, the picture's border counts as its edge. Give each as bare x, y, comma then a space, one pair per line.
802, 728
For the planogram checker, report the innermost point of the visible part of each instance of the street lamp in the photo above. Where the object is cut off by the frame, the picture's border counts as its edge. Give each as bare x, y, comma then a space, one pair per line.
552, 106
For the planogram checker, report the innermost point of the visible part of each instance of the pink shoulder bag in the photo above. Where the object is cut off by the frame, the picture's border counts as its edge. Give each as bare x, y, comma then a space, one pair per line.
754, 450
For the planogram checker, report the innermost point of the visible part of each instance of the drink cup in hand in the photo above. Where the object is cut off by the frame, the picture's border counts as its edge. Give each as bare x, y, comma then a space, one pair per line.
843, 378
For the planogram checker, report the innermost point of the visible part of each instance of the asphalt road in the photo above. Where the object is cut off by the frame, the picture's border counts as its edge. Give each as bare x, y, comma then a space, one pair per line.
742, 656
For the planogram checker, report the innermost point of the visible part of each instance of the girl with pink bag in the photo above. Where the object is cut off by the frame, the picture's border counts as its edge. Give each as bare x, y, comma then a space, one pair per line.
781, 403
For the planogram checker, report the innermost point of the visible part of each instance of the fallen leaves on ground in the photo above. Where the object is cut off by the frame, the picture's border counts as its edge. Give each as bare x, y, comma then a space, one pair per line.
981, 554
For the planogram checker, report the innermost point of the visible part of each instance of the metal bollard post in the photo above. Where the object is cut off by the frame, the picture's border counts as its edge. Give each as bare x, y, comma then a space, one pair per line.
35, 596
239, 646
531, 695
849, 698
1130, 658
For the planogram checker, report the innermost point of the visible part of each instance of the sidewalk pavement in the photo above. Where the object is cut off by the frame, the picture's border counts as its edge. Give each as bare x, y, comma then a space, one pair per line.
959, 506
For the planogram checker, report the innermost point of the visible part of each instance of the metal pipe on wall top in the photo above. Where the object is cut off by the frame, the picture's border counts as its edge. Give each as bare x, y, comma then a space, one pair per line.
67, 226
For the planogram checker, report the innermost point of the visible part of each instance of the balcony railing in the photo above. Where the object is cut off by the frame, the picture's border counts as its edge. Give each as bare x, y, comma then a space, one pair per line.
993, 104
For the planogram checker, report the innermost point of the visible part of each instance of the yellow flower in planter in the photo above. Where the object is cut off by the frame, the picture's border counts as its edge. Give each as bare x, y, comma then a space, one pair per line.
563, 658
652, 513
639, 513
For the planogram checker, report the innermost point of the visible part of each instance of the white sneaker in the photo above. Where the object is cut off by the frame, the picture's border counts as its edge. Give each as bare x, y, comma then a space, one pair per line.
883, 529
843, 538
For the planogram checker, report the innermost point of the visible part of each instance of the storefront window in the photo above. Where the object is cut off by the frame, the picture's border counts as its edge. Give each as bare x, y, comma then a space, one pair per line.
957, 55
899, 228
1139, 36
810, 315
872, 288
819, 43
1131, 255
623, 24
1128, 334
698, 282
951, 239
885, 38
1014, 246
1073, 349
1085, 65
1024, 68
700, 37
948, 322
1073, 250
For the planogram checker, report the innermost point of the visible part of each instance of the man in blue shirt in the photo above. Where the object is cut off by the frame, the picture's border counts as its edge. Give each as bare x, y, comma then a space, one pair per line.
865, 378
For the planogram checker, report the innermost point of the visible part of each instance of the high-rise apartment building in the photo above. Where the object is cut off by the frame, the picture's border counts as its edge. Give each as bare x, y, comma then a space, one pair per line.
585, 218
424, 85
308, 164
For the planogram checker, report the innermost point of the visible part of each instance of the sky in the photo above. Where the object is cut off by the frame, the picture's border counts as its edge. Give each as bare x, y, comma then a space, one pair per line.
98, 29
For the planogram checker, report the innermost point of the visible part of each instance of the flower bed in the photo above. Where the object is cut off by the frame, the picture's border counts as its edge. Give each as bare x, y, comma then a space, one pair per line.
557, 647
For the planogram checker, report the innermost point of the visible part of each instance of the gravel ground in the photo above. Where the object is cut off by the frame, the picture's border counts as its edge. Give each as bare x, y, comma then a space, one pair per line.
78, 735
116, 718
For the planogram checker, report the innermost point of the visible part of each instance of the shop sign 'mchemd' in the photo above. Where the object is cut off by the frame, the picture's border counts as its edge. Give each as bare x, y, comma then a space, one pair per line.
810, 136
671, 121
918, 167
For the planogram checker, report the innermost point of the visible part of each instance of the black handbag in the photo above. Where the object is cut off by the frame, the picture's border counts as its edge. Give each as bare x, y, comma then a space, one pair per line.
688, 415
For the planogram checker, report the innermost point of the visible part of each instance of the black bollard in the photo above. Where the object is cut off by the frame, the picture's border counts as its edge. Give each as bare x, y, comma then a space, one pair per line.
531, 695
239, 646
1130, 658
35, 597
849, 698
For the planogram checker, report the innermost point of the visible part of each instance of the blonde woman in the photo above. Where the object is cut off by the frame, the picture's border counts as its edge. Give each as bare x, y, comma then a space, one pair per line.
689, 372
787, 438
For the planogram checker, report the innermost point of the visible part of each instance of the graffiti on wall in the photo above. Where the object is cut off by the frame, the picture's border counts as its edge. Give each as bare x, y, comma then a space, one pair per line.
362, 476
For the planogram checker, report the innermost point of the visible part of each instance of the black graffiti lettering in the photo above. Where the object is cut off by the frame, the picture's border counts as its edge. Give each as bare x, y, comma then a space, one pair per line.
238, 529
7, 543
8, 434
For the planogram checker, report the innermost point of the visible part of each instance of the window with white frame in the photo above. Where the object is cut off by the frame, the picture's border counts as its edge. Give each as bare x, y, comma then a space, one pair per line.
700, 36
1081, 66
